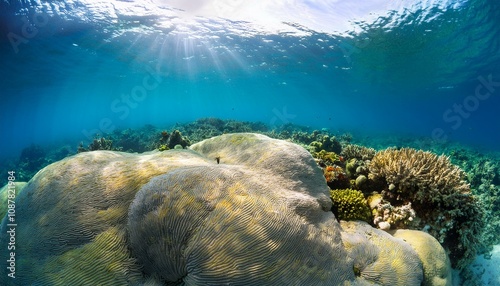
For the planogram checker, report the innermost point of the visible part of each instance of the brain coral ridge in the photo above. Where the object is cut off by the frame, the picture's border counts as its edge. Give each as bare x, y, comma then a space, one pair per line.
259, 216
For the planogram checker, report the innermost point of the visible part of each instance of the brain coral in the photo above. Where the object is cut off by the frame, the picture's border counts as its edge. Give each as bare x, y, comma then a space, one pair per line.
438, 193
259, 216
437, 268
15, 190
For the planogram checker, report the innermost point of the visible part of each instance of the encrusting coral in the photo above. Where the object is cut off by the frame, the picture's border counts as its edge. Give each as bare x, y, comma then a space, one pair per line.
260, 216
438, 193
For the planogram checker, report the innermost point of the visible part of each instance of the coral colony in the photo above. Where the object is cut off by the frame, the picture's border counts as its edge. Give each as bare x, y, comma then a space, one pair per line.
317, 211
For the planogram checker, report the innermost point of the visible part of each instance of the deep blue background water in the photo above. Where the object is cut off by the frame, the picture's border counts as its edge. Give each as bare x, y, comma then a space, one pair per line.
68, 72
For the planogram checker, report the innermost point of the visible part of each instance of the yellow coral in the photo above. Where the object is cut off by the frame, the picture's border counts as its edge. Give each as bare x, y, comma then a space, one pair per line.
437, 269
78, 266
424, 174
350, 204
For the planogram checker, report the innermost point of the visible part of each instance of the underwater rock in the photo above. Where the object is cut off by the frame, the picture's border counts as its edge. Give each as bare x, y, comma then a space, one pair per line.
259, 217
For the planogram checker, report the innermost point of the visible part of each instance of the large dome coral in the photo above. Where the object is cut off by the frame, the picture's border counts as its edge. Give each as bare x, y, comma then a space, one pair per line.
259, 216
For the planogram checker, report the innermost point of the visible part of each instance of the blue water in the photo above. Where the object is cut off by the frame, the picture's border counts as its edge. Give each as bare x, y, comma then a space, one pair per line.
72, 69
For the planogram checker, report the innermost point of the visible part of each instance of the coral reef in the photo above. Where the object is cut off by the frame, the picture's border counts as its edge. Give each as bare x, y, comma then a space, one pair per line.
325, 158
483, 173
335, 177
31, 160
438, 193
418, 174
327, 143
176, 138
317, 141
259, 217
387, 216
209, 127
135, 140
350, 204
393, 205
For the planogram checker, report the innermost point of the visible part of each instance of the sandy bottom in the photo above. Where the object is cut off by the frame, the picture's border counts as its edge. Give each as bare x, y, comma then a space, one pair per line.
488, 269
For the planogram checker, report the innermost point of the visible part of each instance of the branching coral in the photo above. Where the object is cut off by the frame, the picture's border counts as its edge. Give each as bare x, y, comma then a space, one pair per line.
419, 174
438, 193
350, 204
353, 151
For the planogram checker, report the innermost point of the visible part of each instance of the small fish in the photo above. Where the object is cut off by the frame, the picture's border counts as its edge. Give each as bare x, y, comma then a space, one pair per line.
217, 159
